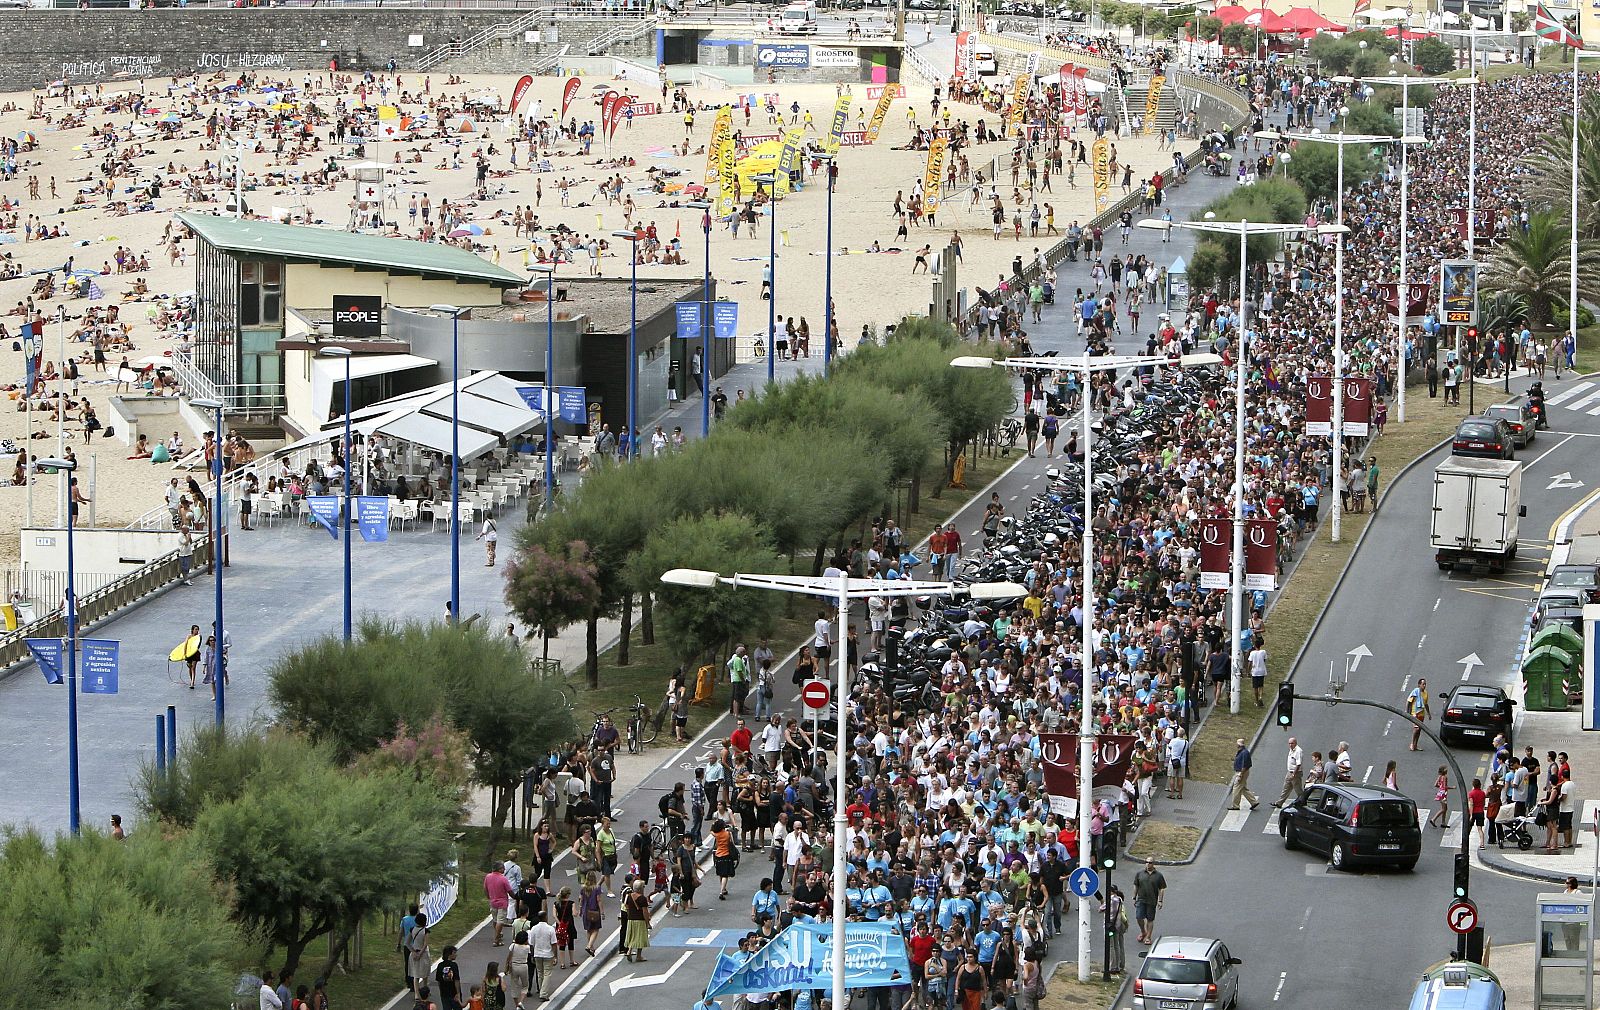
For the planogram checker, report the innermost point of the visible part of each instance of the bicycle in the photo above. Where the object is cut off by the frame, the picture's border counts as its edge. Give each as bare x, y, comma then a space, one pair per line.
758, 347
641, 729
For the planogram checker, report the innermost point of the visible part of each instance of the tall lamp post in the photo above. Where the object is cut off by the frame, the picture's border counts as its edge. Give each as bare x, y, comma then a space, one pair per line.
770, 180
843, 590
349, 452
1243, 229
67, 467
827, 270
1340, 141
1085, 368
548, 271
632, 238
1405, 84
454, 313
706, 326
218, 527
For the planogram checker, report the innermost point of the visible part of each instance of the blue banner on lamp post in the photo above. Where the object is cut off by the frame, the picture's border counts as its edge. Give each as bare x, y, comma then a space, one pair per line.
688, 320
324, 511
100, 660
725, 319
47, 653
372, 517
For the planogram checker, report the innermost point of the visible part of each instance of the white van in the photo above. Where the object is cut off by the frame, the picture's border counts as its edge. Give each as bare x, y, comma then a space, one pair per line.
799, 19
983, 62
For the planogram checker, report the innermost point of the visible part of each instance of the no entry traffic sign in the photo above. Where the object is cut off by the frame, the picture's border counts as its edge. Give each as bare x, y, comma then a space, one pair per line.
1461, 916
815, 693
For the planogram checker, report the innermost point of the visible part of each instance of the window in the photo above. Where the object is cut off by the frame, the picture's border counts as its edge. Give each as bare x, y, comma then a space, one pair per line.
260, 293
1176, 970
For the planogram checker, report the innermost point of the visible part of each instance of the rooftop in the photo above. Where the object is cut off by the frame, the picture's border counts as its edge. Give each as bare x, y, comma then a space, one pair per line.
604, 300
325, 245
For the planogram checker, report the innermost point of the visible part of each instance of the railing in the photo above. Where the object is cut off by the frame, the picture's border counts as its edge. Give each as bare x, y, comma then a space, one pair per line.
48, 589
236, 398
622, 33
504, 30
100, 604
923, 68
160, 517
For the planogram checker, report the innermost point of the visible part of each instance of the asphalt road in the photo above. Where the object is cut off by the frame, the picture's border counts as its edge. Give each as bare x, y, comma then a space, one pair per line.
1313, 937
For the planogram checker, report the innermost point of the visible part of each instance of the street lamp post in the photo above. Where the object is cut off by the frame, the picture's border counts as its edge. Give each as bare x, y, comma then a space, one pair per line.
1405, 85
770, 179
827, 271
455, 458
1243, 229
218, 527
1085, 368
632, 238
349, 451
67, 466
706, 327
844, 589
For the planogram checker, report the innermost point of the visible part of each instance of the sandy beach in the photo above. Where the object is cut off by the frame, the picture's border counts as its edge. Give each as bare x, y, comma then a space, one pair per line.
439, 162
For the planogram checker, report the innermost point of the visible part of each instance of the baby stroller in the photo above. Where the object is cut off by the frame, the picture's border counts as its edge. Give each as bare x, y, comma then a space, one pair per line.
1519, 830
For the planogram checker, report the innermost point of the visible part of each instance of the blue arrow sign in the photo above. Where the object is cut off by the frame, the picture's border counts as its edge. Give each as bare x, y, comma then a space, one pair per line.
1083, 881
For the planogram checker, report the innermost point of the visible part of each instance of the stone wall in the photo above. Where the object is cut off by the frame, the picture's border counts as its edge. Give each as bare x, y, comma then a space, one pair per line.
82, 46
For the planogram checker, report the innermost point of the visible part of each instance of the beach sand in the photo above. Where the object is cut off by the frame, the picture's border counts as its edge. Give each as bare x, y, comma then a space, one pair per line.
873, 289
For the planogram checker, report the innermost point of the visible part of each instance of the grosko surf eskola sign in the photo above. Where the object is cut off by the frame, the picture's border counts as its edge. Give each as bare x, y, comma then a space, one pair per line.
783, 56
834, 56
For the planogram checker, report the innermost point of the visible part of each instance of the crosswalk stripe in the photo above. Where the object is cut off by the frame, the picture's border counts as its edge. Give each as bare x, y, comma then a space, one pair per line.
1452, 834
1271, 827
1567, 394
1588, 399
1233, 820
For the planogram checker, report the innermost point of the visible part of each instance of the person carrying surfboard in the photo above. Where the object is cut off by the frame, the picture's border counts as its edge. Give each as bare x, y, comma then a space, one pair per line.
188, 651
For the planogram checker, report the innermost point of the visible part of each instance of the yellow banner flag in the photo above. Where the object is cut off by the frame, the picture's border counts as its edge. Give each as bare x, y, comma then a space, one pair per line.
841, 117
789, 157
388, 112
727, 199
1019, 103
721, 129
880, 114
933, 176
1152, 104
1102, 173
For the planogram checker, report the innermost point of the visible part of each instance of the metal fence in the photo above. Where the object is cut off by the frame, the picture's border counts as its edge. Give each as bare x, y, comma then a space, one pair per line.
47, 590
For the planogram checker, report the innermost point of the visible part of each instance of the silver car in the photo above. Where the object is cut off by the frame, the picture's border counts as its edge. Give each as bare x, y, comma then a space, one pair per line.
1187, 973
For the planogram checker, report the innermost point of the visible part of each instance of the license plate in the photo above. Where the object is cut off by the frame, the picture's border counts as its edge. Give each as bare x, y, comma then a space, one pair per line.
1174, 1004
1474, 732
1388, 847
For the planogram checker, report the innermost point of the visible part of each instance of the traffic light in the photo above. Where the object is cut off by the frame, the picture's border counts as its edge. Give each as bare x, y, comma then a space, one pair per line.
1472, 336
1463, 867
1285, 705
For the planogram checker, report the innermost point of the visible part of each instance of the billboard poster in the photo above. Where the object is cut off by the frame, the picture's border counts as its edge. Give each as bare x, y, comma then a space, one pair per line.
357, 315
1458, 292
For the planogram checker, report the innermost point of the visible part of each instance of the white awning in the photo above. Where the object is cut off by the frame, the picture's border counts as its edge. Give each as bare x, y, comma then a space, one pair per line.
434, 433
489, 410
328, 372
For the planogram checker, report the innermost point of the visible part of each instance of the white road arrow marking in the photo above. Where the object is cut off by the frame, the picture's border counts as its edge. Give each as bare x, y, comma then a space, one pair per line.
1467, 663
1562, 481
1360, 652
634, 982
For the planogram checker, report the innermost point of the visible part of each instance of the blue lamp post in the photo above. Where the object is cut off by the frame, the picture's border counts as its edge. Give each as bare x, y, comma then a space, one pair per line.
218, 527
633, 343
550, 412
67, 466
705, 323
455, 461
770, 180
349, 452
827, 282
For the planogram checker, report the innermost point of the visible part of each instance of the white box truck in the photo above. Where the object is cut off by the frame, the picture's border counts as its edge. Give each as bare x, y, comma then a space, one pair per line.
798, 19
1477, 505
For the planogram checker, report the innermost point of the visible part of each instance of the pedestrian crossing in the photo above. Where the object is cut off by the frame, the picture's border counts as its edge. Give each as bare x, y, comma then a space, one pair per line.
1237, 820
1584, 396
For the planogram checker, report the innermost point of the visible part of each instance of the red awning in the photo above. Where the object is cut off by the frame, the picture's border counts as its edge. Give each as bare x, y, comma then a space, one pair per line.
1304, 19
1230, 14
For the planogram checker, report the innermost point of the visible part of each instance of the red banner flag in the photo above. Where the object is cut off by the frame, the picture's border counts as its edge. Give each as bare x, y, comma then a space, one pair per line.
1416, 306
1357, 396
520, 91
1319, 405
568, 93
608, 111
1058, 752
1260, 554
1066, 86
1216, 554
1459, 215
1080, 91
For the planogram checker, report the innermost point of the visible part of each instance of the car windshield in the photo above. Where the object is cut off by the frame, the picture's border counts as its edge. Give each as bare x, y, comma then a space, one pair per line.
1476, 430
1387, 814
1573, 577
1466, 700
1180, 971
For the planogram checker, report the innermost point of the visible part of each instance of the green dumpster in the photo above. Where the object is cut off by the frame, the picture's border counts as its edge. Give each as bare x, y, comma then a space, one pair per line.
1560, 635
1544, 673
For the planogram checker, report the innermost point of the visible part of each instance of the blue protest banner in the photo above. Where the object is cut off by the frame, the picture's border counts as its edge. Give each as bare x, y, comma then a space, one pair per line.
47, 653
798, 958
372, 516
725, 319
572, 402
324, 510
100, 665
688, 320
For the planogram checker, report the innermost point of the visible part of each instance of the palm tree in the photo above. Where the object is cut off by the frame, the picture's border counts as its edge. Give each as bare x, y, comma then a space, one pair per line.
1535, 265
1552, 179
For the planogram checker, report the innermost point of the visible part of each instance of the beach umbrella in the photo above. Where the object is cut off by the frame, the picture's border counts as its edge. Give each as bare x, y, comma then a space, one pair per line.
459, 233
27, 137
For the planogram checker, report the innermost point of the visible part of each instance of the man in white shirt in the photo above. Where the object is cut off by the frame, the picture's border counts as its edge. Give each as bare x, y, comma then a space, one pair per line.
542, 946
269, 998
822, 638
1293, 776
772, 743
